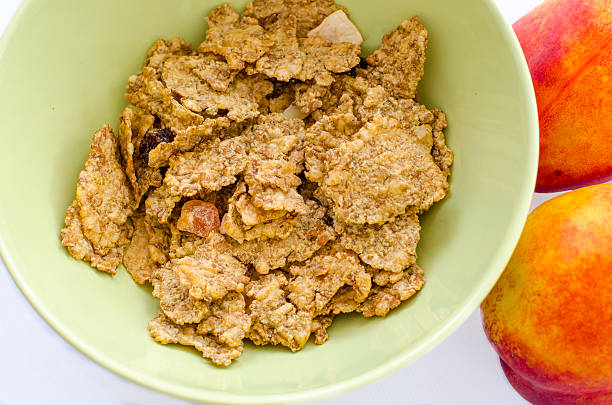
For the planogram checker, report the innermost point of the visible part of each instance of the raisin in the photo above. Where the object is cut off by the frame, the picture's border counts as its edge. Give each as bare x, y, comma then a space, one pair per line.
199, 217
152, 138
361, 65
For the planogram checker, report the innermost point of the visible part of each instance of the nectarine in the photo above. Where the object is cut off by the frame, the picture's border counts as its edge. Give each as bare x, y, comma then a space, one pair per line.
549, 317
568, 46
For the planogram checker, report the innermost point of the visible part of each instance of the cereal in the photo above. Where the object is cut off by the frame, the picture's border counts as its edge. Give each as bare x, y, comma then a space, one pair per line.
80, 247
309, 234
240, 101
135, 125
163, 49
320, 278
309, 13
137, 259
391, 246
384, 299
238, 41
379, 173
213, 165
275, 320
104, 201
166, 332
399, 63
210, 274
282, 177
227, 320
174, 298
443, 156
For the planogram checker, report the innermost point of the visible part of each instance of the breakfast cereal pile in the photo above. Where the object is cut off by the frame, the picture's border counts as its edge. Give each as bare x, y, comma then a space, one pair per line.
267, 181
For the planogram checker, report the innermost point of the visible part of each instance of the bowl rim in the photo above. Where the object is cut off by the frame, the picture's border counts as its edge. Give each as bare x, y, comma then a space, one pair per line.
498, 263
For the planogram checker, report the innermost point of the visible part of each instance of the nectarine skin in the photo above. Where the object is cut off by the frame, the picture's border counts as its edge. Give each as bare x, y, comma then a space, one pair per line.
549, 317
568, 47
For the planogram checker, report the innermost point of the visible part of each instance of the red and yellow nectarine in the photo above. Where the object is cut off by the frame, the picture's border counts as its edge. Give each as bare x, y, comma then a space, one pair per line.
568, 46
549, 316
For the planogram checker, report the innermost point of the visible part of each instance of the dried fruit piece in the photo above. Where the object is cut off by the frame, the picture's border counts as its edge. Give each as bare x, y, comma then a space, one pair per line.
199, 217
336, 28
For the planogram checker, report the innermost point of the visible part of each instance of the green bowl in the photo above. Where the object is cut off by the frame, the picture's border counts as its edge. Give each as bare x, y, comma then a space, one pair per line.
63, 68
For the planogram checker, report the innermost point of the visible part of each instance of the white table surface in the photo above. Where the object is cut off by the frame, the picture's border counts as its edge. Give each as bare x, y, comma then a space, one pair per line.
38, 367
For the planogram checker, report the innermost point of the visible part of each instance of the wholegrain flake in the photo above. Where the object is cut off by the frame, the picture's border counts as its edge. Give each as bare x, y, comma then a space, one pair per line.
267, 182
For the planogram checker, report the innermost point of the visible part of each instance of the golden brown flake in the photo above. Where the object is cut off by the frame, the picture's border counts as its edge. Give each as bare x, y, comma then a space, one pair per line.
399, 63
320, 278
137, 259
319, 328
80, 248
384, 299
213, 165
164, 331
134, 127
227, 320
210, 274
379, 173
443, 156
187, 128
215, 71
309, 13
275, 320
238, 41
159, 240
162, 49
309, 234
174, 298
329, 132
104, 202
239, 102
261, 224
160, 203
390, 246
304, 58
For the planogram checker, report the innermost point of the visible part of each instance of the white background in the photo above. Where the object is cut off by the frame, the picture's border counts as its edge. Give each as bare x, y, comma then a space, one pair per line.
38, 367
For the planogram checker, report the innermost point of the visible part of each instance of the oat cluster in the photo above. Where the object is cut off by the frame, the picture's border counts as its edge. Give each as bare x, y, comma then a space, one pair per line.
267, 181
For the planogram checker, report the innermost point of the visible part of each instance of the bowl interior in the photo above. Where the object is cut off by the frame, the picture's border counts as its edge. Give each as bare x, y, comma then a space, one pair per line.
63, 68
